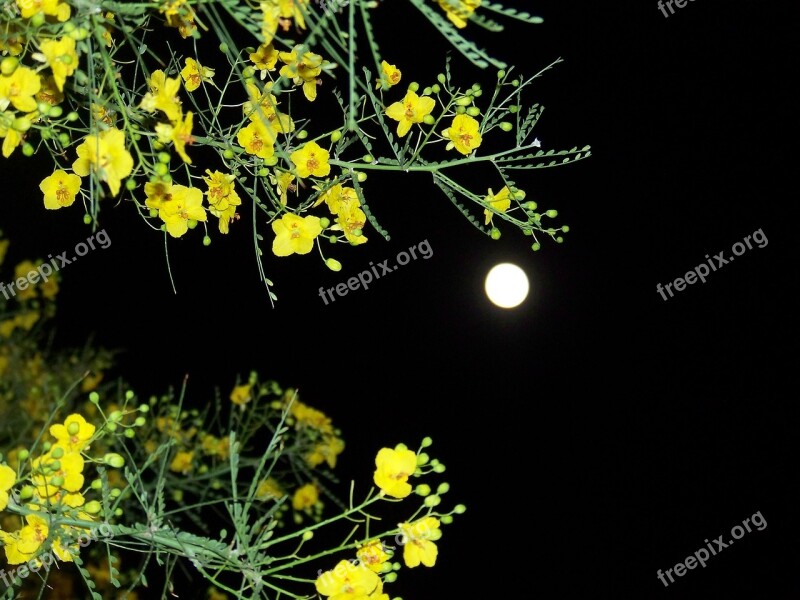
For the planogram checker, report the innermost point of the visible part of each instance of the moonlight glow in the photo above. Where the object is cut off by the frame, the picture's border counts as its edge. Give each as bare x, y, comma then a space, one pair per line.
507, 285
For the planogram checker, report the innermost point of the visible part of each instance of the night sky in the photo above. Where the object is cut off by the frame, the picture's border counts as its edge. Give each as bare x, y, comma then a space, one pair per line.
597, 433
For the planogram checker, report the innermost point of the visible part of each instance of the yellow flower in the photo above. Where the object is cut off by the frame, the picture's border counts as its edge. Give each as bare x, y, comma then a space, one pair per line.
295, 234
222, 198
311, 417
459, 14
52, 8
61, 57
269, 488
157, 193
303, 68
293, 9
256, 139
283, 182
265, 57
242, 394
347, 582
22, 546
180, 134
305, 497
194, 74
326, 451
106, 153
60, 189
391, 75
500, 202
49, 92
21, 271
373, 556
463, 134
351, 219
51, 476
186, 203
19, 89
7, 479
419, 538
182, 462
263, 107
411, 110
311, 159
74, 434
393, 470
163, 95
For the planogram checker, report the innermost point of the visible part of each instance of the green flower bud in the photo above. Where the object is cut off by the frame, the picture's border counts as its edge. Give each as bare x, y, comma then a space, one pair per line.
87, 219
223, 47
307, 535
130, 184
115, 493
506, 126
130, 433
143, 408
54, 465
536, 246
463, 101
478, 93
460, 110
423, 489
164, 157
38, 19
429, 119
92, 507
21, 124
112, 427
27, 149
390, 577
565, 229
324, 222
422, 458
57, 481
559, 240
139, 422
118, 512
440, 468
459, 509
26, 493
400, 447
336, 136
367, 158
112, 459
530, 205
68, 26
206, 241
161, 169
441, 78
23, 455
435, 88
552, 213
333, 264
228, 154
248, 72
501, 74
153, 213
357, 231
58, 451
46, 446
495, 233
96, 484
413, 86
446, 519
72, 116
513, 108
361, 176
432, 500
426, 91
8, 65
515, 83
426, 441
473, 111
443, 488
302, 134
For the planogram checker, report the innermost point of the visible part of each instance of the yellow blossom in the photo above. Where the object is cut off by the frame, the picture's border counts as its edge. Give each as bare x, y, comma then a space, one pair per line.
61, 57
351, 220
194, 74
347, 581
7, 479
302, 67
500, 202
19, 89
182, 462
51, 8
311, 159
373, 556
163, 95
106, 154
393, 470
49, 92
179, 133
74, 434
21, 271
269, 489
68, 468
185, 203
412, 109
222, 198
283, 183
459, 13
390, 75
256, 139
265, 57
23, 545
463, 134
326, 451
157, 193
305, 497
60, 189
263, 107
241, 394
294, 234
419, 538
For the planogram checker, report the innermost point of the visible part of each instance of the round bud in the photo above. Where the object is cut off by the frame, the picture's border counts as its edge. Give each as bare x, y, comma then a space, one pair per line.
118, 512
495, 233
143, 408
429, 119
8, 65
324, 222
94, 397
559, 240
38, 19
423, 489
301, 135
333, 264
464, 101
130, 185
56, 111
96, 484
435, 88
501, 74
21, 124
164, 157
426, 91
23, 455
26, 492
441, 78
367, 158
27, 149
390, 577
413, 86
513, 108
536, 246
57, 481
552, 213
460, 110
565, 229
161, 169
443, 488
459, 509
153, 213
361, 176
506, 126
223, 47
87, 219
206, 241
530, 205
72, 116
112, 459
473, 111
112, 427
336, 136
228, 154
515, 83
92, 507
114, 417
446, 519
57, 452
248, 72
422, 458
307, 535
432, 500
139, 421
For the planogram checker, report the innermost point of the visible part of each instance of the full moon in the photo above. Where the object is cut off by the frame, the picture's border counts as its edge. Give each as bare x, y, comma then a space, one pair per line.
507, 285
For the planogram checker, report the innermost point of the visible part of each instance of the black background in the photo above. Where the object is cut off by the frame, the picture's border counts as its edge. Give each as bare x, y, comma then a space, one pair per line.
597, 433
